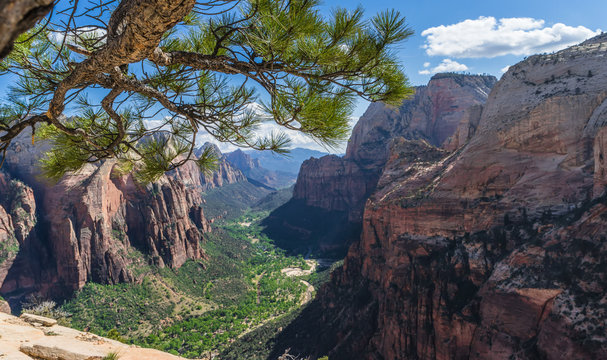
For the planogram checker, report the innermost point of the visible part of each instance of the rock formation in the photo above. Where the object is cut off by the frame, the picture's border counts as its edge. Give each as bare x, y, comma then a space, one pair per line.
92, 224
494, 251
96, 221
223, 175
256, 173
444, 113
36, 337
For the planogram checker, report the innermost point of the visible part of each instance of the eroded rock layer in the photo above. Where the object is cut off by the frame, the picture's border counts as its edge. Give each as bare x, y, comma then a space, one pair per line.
494, 251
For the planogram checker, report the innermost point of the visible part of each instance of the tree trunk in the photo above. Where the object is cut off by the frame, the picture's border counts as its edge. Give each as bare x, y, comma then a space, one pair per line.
18, 16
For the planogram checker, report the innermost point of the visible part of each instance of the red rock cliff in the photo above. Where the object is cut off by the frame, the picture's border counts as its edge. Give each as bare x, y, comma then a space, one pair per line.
495, 251
87, 227
17, 232
433, 114
342, 185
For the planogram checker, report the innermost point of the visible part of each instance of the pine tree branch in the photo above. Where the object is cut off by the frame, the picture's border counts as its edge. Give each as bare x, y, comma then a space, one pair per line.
135, 29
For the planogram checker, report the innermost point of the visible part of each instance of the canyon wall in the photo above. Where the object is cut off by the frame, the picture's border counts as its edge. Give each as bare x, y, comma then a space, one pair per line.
224, 174
494, 251
95, 225
444, 113
255, 172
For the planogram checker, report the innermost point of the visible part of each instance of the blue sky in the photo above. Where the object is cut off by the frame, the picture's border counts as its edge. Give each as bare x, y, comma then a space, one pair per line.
471, 35
428, 14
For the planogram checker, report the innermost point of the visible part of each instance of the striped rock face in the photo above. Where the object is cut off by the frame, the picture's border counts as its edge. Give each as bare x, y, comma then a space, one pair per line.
54, 237
496, 250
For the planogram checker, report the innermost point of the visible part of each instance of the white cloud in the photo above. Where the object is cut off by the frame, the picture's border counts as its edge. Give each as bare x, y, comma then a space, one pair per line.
76, 36
426, 64
487, 37
504, 69
447, 65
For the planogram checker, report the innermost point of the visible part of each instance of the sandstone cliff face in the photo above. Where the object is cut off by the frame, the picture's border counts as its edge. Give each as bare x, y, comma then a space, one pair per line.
94, 225
434, 114
494, 251
18, 220
254, 171
224, 174
332, 183
97, 220
444, 113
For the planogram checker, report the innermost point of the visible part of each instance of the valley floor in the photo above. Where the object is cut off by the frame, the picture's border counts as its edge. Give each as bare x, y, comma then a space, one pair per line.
209, 308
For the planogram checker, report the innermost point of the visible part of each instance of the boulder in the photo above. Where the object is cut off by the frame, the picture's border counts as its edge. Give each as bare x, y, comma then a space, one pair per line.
35, 319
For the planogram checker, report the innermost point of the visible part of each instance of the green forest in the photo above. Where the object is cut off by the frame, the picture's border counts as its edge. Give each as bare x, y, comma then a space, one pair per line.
206, 306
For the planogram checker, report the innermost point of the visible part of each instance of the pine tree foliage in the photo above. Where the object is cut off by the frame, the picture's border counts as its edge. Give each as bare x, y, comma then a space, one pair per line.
221, 67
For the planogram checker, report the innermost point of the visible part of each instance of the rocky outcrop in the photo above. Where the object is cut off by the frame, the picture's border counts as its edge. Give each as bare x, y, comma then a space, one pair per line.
96, 220
224, 174
445, 114
258, 174
36, 337
4, 307
494, 251
94, 225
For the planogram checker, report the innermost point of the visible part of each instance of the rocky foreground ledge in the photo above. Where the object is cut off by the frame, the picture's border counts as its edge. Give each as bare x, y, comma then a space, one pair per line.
36, 337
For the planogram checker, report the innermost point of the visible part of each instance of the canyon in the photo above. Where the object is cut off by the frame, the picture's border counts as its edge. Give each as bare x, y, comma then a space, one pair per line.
487, 246
472, 218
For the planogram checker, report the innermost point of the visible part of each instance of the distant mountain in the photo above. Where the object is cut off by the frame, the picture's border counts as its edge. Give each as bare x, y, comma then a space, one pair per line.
254, 171
224, 174
289, 163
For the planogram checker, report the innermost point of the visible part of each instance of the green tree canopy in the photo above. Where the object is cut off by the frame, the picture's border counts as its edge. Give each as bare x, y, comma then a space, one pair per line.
198, 66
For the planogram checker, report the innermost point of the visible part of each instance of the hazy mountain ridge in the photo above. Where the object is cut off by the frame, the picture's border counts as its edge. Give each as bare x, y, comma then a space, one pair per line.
253, 170
289, 163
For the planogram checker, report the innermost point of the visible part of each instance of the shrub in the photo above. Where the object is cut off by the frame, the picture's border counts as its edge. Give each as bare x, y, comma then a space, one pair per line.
37, 306
111, 356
